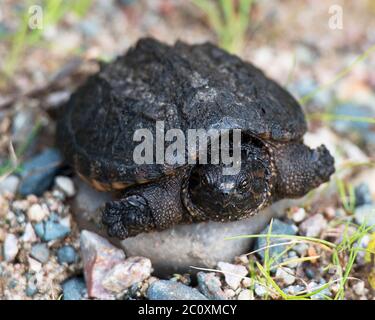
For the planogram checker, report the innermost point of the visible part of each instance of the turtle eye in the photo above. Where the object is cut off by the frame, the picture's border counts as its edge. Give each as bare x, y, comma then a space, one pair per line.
204, 180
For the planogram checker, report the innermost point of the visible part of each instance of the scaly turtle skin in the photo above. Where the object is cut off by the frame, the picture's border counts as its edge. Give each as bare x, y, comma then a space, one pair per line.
187, 87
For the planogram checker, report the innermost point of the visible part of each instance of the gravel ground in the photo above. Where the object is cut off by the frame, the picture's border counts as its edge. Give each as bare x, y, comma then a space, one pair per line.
43, 255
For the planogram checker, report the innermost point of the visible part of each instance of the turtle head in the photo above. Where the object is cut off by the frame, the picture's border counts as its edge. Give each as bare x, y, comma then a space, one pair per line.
218, 196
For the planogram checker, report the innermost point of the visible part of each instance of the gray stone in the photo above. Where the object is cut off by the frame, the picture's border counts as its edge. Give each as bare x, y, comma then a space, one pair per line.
321, 295
66, 254
362, 195
294, 290
40, 252
314, 225
292, 259
286, 275
74, 289
176, 249
301, 248
38, 173
210, 285
365, 214
31, 289
260, 290
9, 184
23, 124
354, 129
278, 227
172, 290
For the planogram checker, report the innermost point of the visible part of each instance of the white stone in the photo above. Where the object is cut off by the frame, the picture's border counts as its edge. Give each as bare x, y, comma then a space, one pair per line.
246, 295
9, 184
314, 225
233, 273
34, 265
299, 215
260, 290
286, 275
359, 288
66, 222
37, 213
229, 293
66, 185
10, 247
29, 234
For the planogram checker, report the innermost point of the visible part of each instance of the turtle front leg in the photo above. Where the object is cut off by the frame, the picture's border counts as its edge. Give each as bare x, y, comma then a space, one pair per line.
144, 208
301, 169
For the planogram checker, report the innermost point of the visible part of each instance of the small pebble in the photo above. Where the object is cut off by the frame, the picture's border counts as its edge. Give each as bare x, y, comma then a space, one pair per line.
31, 289
66, 185
294, 290
246, 295
233, 273
99, 256
293, 258
312, 286
39, 229
66, 254
365, 214
286, 275
278, 227
301, 248
172, 290
243, 259
38, 173
247, 282
359, 288
363, 243
260, 290
299, 215
362, 195
310, 273
29, 234
229, 293
9, 184
34, 265
124, 274
74, 289
10, 247
36, 213
51, 230
314, 225
210, 285
40, 252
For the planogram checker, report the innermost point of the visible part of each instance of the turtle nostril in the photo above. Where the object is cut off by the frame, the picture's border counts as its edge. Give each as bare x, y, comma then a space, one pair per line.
225, 192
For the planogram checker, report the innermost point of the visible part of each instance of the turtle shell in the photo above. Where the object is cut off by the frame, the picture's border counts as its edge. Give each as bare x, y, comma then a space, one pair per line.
187, 87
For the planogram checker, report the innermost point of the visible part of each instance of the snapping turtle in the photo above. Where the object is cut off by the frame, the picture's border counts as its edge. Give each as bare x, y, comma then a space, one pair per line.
187, 87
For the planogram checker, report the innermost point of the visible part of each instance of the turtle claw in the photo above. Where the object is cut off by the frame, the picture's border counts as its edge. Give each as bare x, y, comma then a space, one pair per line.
127, 217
